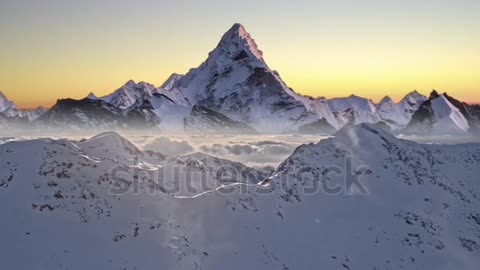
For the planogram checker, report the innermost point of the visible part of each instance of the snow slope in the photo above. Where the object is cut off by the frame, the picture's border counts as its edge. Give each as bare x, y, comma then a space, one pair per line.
438, 116
170, 82
76, 200
448, 118
397, 115
353, 110
130, 94
418, 209
471, 112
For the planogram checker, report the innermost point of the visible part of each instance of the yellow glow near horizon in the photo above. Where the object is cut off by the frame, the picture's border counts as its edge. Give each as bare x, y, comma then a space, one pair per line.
52, 50
331, 72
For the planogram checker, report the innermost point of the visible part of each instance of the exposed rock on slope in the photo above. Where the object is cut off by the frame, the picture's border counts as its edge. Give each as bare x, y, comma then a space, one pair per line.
438, 115
416, 208
85, 113
205, 120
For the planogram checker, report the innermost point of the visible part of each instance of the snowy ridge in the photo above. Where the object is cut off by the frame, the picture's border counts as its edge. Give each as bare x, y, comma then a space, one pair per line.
418, 209
5, 104
129, 94
95, 196
353, 110
33, 114
170, 82
91, 96
397, 115
356, 110
448, 117
9, 111
238, 33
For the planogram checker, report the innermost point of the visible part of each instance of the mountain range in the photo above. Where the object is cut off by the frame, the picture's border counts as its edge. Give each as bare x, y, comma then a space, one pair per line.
10, 115
406, 206
236, 87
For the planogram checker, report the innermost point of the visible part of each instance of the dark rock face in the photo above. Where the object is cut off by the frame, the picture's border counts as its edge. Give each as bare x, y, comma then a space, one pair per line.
262, 89
89, 113
318, 127
423, 116
206, 120
433, 94
348, 114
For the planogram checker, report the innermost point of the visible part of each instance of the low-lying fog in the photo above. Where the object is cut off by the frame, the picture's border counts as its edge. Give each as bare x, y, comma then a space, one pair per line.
262, 152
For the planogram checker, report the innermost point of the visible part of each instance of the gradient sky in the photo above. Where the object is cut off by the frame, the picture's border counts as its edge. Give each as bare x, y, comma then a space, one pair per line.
51, 49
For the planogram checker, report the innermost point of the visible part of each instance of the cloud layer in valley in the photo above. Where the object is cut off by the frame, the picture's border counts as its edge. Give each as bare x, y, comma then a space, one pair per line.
167, 146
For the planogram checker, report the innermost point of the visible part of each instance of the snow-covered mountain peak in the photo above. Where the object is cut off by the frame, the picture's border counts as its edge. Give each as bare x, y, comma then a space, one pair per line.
434, 94
236, 45
425, 193
414, 97
146, 85
414, 93
91, 95
130, 83
448, 117
110, 145
2, 96
439, 116
353, 100
386, 99
235, 81
360, 134
9, 110
238, 27
106, 137
398, 114
129, 94
353, 110
239, 40
170, 82
5, 104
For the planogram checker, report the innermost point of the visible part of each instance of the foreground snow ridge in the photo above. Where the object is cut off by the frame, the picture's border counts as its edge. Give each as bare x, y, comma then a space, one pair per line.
74, 200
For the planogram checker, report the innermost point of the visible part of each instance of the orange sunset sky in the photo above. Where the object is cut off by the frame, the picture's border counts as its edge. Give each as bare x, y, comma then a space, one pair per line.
55, 49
